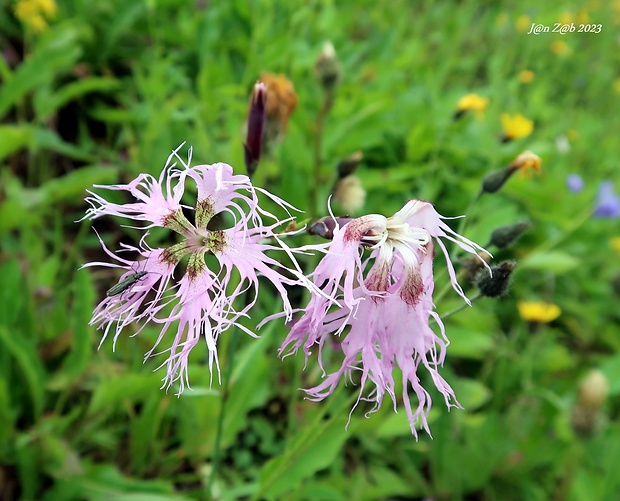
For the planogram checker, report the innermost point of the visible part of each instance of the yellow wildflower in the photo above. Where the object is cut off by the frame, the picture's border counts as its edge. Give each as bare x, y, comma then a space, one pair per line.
617, 85
515, 126
472, 102
615, 244
33, 13
523, 23
561, 48
526, 76
525, 162
538, 311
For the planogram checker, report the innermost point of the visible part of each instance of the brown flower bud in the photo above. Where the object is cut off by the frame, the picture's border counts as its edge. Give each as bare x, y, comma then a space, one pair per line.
496, 284
325, 227
256, 125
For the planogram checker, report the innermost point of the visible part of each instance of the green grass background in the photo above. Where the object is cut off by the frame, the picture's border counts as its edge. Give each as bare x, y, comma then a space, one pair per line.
111, 87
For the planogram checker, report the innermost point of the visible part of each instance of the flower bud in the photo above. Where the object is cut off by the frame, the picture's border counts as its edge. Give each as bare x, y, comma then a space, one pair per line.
586, 415
349, 193
281, 102
495, 180
506, 235
325, 227
327, 67
348, 165
594, 390
472, 265
256, 125
524, 162
496, 284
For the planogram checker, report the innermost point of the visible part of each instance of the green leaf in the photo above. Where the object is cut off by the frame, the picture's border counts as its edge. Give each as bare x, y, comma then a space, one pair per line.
47, 103
314, 449
27, 359
110, 393
55, 55
467, 342
81, 349
7, 420
13, 138
105, 482
552, 261
471, 394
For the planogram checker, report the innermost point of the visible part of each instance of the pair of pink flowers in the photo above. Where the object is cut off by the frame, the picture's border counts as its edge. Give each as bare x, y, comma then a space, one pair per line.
379, 300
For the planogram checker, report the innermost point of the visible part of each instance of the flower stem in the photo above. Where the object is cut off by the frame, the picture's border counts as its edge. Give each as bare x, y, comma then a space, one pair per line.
226, 387
461, 307
447, 287
328, 101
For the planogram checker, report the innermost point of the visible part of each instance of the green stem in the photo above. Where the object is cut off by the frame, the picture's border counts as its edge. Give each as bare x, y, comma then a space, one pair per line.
550, 244
226, 387
318, 146
461, 307
447, 287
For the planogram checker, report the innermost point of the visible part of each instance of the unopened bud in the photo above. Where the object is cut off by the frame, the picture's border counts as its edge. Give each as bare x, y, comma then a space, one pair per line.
525, 162
325, 227
586, 415
506, 235
495, 180
327, 67
348, 165
349, 193
472, 265
593, 390
497, 283
256, 126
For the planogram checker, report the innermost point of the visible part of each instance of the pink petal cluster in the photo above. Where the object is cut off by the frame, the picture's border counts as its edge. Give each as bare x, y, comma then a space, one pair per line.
200, 304
385, 301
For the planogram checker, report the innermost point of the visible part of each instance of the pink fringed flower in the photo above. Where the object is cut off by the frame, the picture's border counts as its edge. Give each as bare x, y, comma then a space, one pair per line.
386, 301
201, 303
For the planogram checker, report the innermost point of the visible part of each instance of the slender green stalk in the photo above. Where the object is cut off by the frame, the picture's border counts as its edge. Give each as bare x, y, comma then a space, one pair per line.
578, 223
459, 308
226, 387
317, 177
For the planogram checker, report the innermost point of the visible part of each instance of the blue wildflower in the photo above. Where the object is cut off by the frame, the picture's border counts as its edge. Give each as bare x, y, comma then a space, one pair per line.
608, 202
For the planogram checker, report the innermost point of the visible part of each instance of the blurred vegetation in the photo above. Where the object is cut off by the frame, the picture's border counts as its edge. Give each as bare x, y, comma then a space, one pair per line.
98, 92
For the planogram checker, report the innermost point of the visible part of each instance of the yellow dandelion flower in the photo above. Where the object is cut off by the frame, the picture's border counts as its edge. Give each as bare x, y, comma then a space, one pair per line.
561, 48
538, 311
526, 162
615, 244
617, 85
515, 126
472, 102
526, 76
523, 23
33, 13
